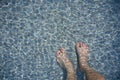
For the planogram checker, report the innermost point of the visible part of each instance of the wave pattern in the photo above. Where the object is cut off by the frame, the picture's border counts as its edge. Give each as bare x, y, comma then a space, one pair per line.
31, 31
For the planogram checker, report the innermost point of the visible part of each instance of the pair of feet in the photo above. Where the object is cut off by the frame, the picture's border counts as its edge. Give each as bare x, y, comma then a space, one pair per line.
82, 53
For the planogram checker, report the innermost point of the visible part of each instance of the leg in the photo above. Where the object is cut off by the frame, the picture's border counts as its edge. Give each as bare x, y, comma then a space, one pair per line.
64, 62
82, 54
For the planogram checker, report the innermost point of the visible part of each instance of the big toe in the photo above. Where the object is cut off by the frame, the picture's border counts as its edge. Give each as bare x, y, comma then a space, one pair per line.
81, 45
60, 52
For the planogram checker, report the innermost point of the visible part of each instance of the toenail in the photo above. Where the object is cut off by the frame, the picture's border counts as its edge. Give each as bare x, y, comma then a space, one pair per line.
80, 44
59, 53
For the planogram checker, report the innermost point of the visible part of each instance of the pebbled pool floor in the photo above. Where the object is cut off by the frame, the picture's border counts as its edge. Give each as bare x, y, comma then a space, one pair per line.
31, 31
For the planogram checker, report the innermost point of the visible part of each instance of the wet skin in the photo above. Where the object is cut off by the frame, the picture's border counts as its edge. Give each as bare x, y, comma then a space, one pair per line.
82, 55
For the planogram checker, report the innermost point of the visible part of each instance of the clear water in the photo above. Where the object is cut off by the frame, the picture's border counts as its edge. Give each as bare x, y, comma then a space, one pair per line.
31, 31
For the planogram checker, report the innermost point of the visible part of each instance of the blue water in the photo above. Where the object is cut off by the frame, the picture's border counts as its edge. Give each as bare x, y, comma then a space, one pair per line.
31, 31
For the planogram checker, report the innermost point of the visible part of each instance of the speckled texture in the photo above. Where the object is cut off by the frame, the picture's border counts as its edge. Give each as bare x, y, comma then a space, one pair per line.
32, 30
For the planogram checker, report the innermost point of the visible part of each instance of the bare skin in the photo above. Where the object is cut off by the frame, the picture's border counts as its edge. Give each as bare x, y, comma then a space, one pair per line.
82, 53
64, 62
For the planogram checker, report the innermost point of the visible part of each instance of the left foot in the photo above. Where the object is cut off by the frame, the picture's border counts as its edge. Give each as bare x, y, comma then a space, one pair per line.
63, 60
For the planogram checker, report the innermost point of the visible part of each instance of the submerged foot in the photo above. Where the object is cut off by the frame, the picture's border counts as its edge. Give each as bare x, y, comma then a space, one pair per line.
63, 60
82, 53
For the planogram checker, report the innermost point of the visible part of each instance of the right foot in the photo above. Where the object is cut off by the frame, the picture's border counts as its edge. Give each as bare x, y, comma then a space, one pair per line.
82, 53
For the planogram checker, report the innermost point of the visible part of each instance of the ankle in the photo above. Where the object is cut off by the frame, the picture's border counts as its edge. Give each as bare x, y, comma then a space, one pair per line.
84, 66
83, 63
71, 72
70, 69
71, 76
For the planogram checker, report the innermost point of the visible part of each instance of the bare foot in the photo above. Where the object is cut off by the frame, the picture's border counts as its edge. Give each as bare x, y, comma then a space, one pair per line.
63, 60
82, 53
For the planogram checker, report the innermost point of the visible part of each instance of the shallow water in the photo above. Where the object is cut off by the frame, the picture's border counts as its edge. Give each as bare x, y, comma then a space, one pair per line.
31, 31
